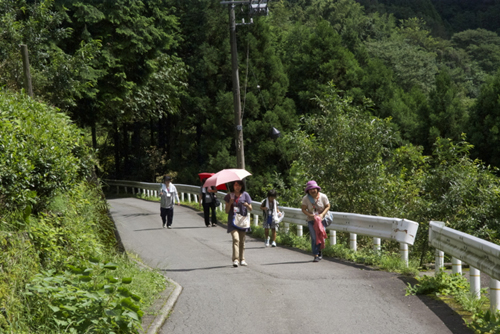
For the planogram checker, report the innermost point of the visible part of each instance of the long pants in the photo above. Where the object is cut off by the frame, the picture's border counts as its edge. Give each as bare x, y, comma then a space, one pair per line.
167, 215
315, 248
206, 213
238, 244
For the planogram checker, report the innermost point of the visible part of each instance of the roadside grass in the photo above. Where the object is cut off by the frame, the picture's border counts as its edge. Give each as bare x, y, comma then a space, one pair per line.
36, 250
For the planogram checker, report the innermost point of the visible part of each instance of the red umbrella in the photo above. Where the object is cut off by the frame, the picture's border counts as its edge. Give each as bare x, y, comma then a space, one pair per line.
226, 176
204, 176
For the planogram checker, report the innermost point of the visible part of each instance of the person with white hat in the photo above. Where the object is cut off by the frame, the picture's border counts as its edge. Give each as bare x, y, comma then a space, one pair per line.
314, 204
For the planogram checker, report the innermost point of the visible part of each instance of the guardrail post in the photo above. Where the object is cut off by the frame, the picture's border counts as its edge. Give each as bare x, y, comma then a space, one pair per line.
126, 192
299, 230
117, 189
189, 197
333, 237
287, 228
255, 220
494, 295
439, 261
182, 197
133, 190
456, 266
353, 244
376, 244
195, 198
156, 193
475, 282
403, 251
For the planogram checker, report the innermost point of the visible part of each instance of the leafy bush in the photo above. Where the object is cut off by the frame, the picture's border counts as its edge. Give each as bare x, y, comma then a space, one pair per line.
41, 152
84, 299
442, 283
485, 322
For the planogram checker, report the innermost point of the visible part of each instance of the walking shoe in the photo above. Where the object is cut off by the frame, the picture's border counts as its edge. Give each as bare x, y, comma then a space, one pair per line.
316, 259
267, 242
214, 225
169, 226
320, 255
207, 225
244, 263
163, 225
235, 263
273, 244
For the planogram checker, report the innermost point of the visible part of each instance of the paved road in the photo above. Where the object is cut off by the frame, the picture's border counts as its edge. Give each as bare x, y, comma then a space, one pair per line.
281, 291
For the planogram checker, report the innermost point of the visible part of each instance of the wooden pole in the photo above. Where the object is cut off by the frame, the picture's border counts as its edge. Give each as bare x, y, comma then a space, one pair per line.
26, 69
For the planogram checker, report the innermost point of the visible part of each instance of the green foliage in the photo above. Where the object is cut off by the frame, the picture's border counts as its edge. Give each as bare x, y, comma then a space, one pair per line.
84, 299
442, 283
485, 121
485, 322
34, 162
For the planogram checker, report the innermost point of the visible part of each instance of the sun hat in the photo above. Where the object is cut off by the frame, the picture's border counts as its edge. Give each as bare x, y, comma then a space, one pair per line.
312, 185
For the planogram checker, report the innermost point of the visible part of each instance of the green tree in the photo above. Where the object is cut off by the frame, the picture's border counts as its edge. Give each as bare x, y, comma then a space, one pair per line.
485, 122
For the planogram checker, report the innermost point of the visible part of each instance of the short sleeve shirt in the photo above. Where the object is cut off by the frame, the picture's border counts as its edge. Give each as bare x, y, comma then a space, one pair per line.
319, 205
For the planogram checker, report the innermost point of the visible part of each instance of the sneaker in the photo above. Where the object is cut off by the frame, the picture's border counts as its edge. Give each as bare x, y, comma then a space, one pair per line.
235, 263
273, 244
244, 263
267, 242
320, 255
214, 225
169, 226
316, 259
163, 225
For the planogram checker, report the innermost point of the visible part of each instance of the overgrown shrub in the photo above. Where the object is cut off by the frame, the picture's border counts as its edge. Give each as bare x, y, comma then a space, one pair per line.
41, 152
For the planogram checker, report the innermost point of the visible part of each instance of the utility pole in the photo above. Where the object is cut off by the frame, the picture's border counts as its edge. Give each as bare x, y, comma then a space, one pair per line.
26, 69
240, 150
256, 7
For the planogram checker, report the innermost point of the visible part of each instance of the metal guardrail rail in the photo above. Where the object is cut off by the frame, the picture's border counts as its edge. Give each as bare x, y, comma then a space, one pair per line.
401, 230
480, 254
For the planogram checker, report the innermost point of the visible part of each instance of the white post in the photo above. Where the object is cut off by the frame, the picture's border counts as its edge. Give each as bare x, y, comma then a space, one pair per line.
287, 228
182, 197
189, 197
494, 296
255, 220
299, 230
439, 260
126, 192
475, 282
156, 193
195, 198
403, 251
456, 266
117, 189
333, 237
353, 241
376, 244
133, 190
149, 194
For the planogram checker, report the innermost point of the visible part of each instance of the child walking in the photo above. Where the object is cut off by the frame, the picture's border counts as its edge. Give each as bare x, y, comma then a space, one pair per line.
272, 216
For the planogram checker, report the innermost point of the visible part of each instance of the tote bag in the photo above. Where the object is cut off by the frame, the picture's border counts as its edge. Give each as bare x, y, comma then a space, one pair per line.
241, 222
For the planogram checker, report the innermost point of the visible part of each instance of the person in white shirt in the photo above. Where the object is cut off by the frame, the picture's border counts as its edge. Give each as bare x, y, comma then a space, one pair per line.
169, 196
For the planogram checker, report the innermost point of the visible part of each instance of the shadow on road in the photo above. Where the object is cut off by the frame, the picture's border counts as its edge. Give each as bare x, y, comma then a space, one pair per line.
149, 229
139, 214
448, 316
279, 263
193, 269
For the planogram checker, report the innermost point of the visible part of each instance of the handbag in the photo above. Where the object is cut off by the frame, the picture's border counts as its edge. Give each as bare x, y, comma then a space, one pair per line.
241, 222
216, 201
328, 220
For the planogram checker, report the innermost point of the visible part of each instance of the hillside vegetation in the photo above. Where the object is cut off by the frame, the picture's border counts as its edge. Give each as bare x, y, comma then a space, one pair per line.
60, 271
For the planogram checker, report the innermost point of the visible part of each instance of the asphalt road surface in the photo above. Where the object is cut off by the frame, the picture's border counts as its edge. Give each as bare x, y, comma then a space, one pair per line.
281, 290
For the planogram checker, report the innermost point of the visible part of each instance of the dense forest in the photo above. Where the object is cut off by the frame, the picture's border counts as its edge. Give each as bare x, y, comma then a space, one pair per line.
393, 106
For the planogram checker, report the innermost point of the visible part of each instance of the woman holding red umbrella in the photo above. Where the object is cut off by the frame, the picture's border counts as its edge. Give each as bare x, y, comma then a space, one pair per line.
238, 201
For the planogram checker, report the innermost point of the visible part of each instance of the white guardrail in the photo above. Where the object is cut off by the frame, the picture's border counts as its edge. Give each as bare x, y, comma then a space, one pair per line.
481, 255
401, 230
